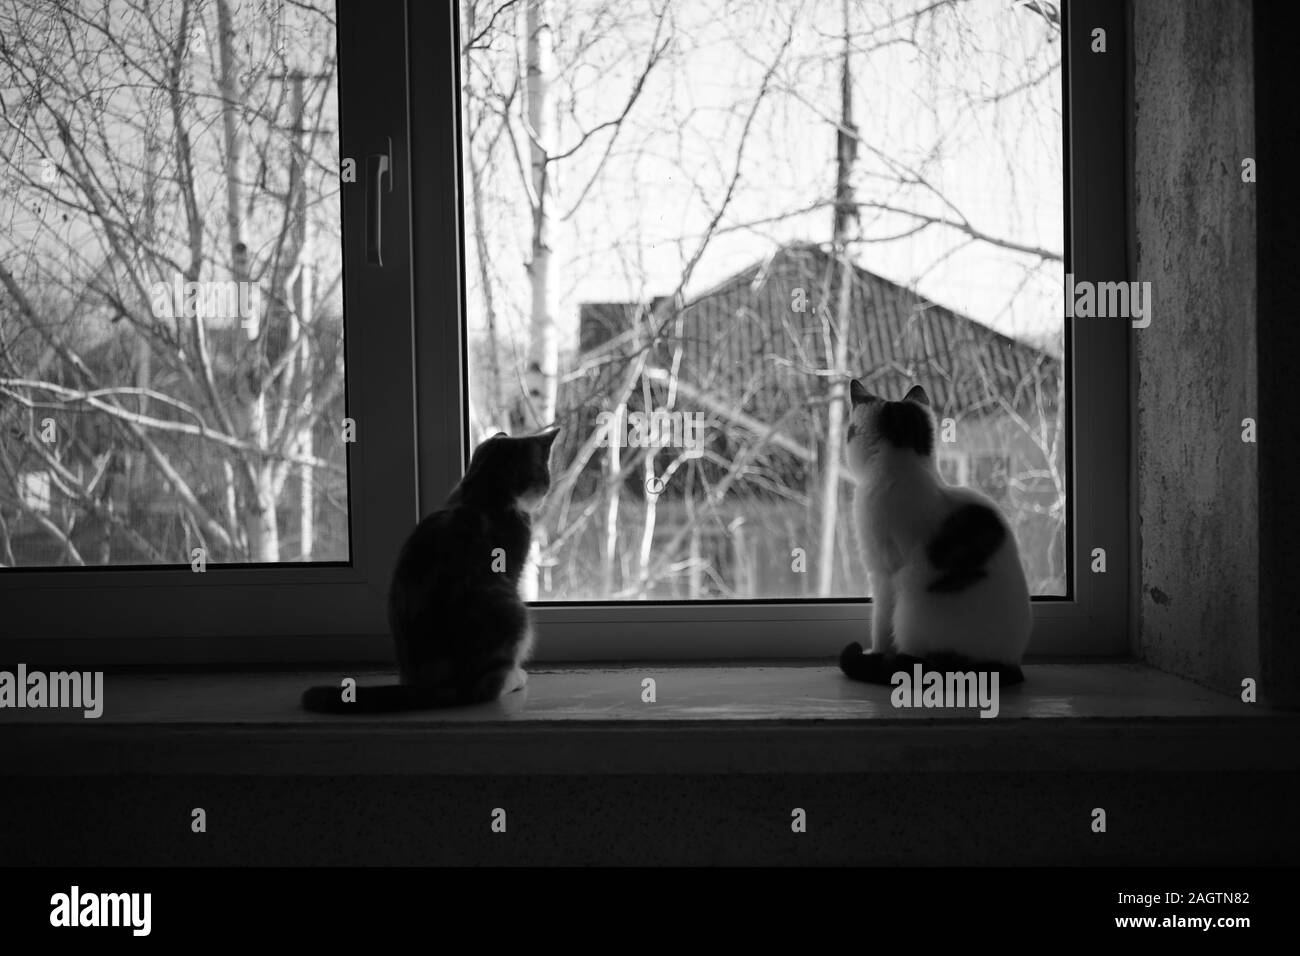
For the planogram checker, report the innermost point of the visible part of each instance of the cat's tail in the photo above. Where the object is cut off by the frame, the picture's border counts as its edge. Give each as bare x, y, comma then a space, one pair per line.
881, 668
378, 699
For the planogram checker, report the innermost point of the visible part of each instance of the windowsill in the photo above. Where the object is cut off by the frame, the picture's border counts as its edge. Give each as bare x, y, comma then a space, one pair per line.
795, 718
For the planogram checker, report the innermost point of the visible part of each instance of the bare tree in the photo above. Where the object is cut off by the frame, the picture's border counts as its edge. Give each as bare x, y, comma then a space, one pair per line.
539, 143
144, 159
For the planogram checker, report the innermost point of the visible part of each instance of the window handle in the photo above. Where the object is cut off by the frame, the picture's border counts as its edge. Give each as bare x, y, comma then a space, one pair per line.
379, 182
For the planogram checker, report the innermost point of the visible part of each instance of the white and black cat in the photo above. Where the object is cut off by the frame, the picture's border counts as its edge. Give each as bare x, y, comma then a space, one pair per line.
461, 630
947, 586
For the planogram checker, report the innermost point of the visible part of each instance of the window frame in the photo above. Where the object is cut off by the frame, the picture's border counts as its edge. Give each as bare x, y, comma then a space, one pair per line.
261, 612
412, 440
1092, 620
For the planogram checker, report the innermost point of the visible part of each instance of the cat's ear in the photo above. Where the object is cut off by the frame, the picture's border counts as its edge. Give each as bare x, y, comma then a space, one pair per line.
917, 394
858, 394
548, 435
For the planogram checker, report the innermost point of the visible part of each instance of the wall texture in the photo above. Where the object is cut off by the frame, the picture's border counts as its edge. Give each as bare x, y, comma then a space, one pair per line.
917, 819
1197, 495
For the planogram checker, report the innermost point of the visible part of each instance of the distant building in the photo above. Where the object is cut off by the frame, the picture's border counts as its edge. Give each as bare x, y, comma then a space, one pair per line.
751, 354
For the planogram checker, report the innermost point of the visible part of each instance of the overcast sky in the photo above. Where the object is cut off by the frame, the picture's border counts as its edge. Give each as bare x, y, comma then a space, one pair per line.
970, 102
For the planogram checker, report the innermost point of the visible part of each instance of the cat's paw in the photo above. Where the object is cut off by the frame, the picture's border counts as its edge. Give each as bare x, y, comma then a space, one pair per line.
850, 654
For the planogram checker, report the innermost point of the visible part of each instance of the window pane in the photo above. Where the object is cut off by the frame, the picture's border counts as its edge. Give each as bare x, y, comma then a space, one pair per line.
171, 329
689, 223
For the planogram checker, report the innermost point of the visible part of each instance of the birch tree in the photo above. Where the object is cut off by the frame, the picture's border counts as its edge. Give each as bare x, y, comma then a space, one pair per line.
577, 164
141, 148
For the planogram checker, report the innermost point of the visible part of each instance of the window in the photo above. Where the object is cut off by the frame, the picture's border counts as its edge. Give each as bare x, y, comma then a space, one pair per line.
197, 415
177, 377
682, 213
616, 278
723, 325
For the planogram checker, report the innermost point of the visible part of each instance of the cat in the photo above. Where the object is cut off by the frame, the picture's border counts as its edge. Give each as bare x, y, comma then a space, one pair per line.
461, 630
947, 586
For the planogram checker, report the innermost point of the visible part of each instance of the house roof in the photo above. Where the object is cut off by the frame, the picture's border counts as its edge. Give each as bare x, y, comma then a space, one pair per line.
895, 337
753, 351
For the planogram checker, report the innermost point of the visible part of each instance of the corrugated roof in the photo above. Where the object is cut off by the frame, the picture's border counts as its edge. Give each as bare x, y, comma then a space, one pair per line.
746, 345
896, 338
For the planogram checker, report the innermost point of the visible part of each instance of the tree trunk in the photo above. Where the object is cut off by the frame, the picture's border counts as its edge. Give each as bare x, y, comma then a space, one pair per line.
653, 487
138, 468
260, 525
304, 291
496, 406
614, 490
695, 551
541, 374
845, 212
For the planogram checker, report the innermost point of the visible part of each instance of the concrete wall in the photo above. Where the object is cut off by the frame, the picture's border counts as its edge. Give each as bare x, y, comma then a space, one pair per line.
915, 819
1197, 494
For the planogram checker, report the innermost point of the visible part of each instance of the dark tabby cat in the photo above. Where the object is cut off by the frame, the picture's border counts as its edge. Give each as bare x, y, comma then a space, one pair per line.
461, 630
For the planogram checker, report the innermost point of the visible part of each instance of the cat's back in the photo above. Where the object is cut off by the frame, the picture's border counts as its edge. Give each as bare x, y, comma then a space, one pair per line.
971, 521
459, 545
965, 591
894, 512
449, 579
963, 498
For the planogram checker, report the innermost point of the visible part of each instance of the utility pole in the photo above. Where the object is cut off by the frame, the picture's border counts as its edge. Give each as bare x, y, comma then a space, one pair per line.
845, 214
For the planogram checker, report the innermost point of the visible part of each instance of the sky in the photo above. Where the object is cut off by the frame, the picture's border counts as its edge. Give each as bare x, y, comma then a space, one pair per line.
969, 102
